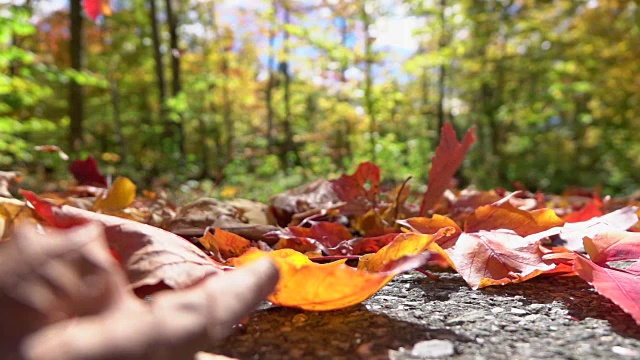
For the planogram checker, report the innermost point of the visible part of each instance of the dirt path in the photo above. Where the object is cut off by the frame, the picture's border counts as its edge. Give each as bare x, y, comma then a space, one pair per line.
544, 318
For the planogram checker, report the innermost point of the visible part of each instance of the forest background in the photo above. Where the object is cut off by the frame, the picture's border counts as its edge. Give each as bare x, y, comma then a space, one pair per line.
250, 98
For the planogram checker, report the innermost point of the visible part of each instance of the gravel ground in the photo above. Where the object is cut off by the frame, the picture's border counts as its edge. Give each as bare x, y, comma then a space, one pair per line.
414, 317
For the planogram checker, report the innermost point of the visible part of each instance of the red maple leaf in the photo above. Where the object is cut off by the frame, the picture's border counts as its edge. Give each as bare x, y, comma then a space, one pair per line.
86, 172
444, 164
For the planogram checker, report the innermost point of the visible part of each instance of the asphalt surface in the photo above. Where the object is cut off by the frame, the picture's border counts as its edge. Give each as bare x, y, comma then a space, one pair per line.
414, 317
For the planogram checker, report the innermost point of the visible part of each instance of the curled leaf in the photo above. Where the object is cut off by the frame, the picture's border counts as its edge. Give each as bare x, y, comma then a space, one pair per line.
503, 215
401, 246
119, 196
613, 246
310, 286
432, 225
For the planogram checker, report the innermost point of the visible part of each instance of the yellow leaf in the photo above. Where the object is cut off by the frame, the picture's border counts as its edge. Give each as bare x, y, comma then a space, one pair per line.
120, 196
403, 245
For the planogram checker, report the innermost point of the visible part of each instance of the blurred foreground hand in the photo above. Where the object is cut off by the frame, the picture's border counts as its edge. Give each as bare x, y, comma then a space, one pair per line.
63, 296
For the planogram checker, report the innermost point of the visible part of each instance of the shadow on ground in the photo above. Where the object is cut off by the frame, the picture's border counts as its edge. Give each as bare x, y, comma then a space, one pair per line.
280, 333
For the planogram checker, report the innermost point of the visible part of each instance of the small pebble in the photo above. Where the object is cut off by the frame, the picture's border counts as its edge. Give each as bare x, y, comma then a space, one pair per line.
433, 349
625, 351
516, 311
536, 307
497, 310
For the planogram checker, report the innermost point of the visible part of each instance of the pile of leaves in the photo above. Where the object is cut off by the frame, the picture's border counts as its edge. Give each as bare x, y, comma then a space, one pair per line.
337, 242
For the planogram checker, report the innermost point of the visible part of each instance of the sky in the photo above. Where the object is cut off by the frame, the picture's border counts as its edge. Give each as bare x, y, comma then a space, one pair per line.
393, 31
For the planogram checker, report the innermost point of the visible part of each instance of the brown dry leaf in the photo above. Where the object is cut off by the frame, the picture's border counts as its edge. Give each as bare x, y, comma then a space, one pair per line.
316, 195
12, 213
150, 256
199, 215
252, 212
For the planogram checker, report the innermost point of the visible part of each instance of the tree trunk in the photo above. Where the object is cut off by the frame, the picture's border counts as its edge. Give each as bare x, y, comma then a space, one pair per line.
117, 121
76, 99
176, 85
271, 82
157, 56
344, 33
424, 98
289, 146
226, 112
442, 73
368, 82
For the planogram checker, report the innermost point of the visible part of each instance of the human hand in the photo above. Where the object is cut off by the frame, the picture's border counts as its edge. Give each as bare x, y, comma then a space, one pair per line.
66, 297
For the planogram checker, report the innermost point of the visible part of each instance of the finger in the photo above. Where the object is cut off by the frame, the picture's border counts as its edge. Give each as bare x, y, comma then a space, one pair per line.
218, 303
238, 292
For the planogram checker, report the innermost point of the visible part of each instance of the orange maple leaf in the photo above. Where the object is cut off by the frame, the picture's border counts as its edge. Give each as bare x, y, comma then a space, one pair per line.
311, 286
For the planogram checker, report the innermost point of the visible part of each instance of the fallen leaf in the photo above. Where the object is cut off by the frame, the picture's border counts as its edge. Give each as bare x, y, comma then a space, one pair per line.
444, 164
151, 256
590, 210
613, 246
571, 234
86, 172
252, 212
366, 245
432, 225
7, 178
503, 215
359, 190
227, 244
498, 257
310, 286
316, 195
621, 287
326, 233
468, 200
52, 148
401, 246
200, 214
12, 213
120, 196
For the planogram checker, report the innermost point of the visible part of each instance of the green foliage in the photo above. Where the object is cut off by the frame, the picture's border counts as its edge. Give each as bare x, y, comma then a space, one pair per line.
551, 86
